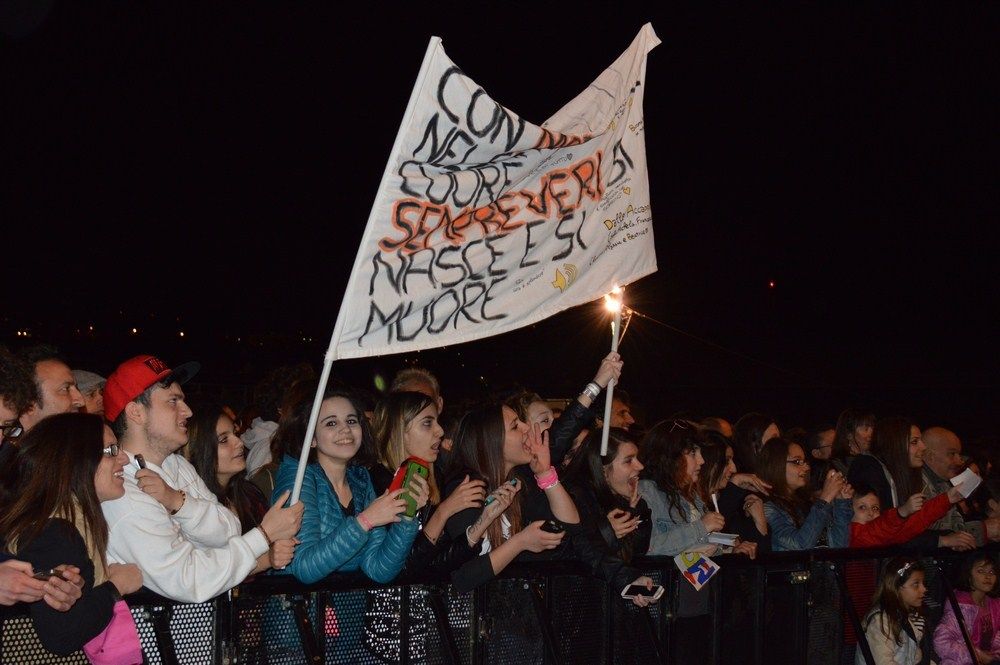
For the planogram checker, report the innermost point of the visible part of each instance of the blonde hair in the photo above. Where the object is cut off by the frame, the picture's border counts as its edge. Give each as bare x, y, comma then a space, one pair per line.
390, 421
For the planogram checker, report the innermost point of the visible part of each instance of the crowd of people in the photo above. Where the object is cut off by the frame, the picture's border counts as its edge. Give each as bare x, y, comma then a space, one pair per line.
110, 485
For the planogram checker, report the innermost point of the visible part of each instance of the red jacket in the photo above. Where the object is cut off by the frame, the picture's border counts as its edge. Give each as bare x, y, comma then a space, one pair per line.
891, 529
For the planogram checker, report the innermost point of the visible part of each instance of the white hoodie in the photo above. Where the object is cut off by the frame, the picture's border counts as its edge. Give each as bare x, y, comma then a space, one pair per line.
192, 556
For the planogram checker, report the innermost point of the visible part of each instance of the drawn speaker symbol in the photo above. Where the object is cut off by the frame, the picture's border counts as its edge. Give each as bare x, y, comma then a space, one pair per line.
563, 282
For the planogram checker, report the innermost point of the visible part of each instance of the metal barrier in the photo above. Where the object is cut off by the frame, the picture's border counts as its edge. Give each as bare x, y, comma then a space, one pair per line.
789, 607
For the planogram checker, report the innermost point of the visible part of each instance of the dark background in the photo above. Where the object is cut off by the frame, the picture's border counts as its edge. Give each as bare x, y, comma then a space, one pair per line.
209, 168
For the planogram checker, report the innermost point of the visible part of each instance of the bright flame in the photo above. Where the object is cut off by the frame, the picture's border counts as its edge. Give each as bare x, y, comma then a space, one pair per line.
613, 300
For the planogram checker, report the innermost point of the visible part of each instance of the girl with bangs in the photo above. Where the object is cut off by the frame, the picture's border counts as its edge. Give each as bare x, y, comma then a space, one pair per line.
796, 521
671, 453
895, 626
978, 598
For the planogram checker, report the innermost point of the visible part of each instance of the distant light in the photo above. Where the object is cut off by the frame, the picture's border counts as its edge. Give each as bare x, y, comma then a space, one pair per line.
770, 284
181, 333
135, 331
91, 328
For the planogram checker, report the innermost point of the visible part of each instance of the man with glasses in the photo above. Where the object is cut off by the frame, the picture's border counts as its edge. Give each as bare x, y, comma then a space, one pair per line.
57, 391
17, 393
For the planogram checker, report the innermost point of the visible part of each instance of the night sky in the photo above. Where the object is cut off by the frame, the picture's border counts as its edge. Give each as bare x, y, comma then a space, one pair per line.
209, 168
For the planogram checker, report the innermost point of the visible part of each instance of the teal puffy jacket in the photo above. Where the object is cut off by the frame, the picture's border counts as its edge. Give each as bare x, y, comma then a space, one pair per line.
331, 542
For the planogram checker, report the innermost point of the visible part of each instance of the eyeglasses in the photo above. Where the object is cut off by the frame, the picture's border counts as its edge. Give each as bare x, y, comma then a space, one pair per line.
112, 450
679, 424
11, 431
797, 462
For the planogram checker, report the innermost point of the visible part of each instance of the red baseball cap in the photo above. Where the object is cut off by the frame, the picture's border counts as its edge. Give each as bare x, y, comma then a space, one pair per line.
135, 375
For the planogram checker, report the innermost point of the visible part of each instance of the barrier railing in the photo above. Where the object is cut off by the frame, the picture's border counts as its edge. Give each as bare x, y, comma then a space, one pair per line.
792, 607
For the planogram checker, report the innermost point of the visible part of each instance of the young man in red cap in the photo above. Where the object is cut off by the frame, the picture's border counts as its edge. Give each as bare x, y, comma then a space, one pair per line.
187, 544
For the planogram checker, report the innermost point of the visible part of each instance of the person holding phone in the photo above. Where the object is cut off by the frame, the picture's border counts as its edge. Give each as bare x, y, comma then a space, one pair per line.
64, 469
219, 457
346, 526
617, 520
406, 426
493, 445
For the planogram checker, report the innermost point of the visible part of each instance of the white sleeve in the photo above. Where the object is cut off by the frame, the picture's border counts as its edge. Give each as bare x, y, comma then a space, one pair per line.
141, 532
203, 519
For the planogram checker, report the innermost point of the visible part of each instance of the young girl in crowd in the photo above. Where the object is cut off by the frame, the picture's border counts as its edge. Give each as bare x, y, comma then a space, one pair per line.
870, 527
742, 511
493, 445
795, 520
406, 425
977, 599
605, 490
64, 468
218, 455
671, 453
894, 627
345, 526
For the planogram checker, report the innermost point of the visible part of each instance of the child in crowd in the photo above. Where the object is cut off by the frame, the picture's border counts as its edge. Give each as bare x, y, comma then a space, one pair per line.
894, 627
977, 599
870, 527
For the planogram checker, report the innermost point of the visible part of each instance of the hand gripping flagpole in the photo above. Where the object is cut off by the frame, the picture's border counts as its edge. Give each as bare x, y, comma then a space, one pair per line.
331, 353
614, 301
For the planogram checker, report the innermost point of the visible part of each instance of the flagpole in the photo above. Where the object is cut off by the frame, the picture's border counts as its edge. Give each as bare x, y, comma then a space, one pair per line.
616, 328
331, 352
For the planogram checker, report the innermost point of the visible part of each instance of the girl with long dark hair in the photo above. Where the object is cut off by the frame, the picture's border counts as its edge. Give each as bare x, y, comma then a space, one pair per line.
63, 469
219, 457
796, 521
492, 444
895, 625
671, 453
606, 492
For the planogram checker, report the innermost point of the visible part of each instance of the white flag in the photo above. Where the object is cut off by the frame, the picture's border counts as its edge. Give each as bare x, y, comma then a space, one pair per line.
484, 223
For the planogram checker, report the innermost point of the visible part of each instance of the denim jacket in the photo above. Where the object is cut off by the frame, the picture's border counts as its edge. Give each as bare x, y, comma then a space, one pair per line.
672, 533
331, 542
834, 516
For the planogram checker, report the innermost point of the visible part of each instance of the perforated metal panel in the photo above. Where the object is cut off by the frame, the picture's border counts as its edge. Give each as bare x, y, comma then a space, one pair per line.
512, 631
21, 646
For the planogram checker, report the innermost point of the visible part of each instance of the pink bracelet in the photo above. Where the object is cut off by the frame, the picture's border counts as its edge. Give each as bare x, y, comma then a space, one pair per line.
365, 523
547, 479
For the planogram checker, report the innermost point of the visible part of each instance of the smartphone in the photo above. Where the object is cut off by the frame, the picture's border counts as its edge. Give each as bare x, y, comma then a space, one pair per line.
633, 590
410, 467
141, 461
44, 575
552, 527
491, 498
